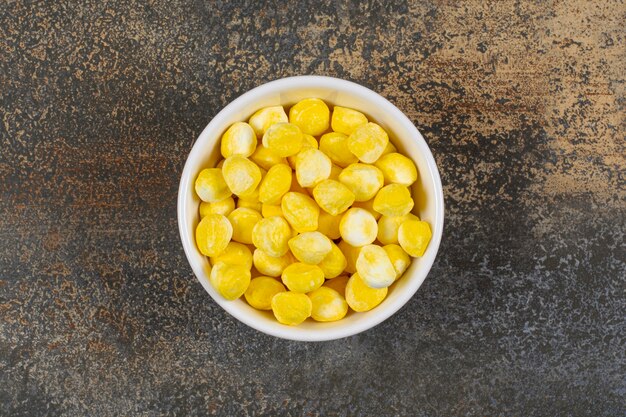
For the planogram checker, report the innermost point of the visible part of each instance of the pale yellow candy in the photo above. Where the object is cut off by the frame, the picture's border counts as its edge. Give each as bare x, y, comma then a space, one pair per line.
333, 197
301, 211
369, 206
368, 142
234, 254
375, 267
239, 139
358, 227
389, 149
345, 120
284, 139
266, 158
211, 186
266, 117
334, 263
328, 305
241, 175
275, 184
351, 253
213, 234
270, 265
397, 169
388, 227
261, 291
291, 308
335, 145
328, 225
308, 142
268, 210
362, 298
393, 200
231, 281
363, 180
398, 257
312, 167
251, 204
223, 207
414, 236
310, 247
338, 284
243, 221
311, 115
272, 235
301, 277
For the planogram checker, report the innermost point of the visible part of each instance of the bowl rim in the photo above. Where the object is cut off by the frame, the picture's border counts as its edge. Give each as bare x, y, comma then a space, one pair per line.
313, 81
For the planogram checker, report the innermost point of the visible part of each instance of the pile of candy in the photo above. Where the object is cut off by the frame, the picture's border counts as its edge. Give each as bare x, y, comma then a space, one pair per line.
331, 237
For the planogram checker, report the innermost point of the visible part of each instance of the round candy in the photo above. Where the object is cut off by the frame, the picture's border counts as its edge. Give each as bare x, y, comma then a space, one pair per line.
333, 197
335, 145
369, 206
374, 267
338, 284
301, 211
312, 167
275, 184
311, 115
243, 221
351, 253
269, 210
388, 227
266, 117
413, 236
270, 265
358, 227
327, 305
291, 308
231, 281
271, 235
399, 258
239, 139
211, 186
213, 234
345, 120
241, 175
284, 139
397, 169
310, 247
362, 298
234, 254
223, 207
333, 263
261, 291
266, 158
393, 200
300, 277
363, 180
368, 142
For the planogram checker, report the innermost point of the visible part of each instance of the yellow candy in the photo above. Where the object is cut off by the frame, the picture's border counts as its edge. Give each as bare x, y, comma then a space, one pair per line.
328, 225
328, 305
291, 308
213, 234
393, 200
243, 221
308, 142
254, 205
312, 167
301, 211
234, 254
362, 298
220, 164
351, 253
295, 186
335, 171
261, 291
345, 120
270, 265
397, 169
389, 149
271, 236
266, 117
239, 139
241, 175
299, 277
399, 258
223, 207
335, 145
284, 139
334, 263
414, 236
363, 180
338, 284
266, 158
268, 210
231, 281
358, 227
368, 142
388, 227
210, 185
333, 197
276, 182
311, 115
369, 206
310, 247
374, 267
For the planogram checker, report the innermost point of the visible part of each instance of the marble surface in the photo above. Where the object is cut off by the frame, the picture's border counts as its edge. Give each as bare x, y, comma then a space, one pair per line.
522, 104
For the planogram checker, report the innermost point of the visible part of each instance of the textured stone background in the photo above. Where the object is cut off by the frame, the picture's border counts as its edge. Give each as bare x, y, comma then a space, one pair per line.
522, 104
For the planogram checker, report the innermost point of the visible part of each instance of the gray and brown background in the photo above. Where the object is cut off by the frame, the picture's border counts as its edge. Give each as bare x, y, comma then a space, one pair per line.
522, 104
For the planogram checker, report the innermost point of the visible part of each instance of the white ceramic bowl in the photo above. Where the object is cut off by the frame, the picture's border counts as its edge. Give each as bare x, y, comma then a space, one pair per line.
408, 140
